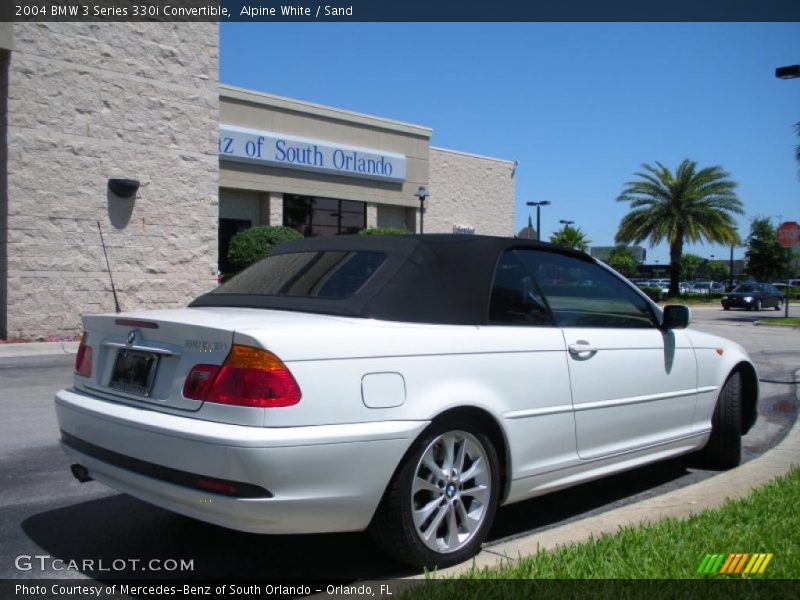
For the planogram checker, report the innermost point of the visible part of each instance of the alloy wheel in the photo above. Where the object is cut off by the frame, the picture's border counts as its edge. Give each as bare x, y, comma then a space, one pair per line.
451, 491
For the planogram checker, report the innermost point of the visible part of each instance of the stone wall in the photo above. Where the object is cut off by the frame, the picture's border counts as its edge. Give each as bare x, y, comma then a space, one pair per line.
472, 191
88, 102
3, 191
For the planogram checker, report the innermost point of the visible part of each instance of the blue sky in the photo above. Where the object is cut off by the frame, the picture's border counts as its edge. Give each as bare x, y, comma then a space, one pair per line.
580, 105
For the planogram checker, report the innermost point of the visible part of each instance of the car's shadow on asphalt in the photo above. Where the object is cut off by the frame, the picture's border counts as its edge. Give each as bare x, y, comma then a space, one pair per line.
747, 317
120, 527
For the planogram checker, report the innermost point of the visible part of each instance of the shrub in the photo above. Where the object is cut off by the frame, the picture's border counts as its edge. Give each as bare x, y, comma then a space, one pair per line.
385, 231
654, 293
251, 245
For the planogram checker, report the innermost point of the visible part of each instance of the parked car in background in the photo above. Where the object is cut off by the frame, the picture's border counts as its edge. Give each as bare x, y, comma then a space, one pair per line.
373, 383
753, 296
707, 287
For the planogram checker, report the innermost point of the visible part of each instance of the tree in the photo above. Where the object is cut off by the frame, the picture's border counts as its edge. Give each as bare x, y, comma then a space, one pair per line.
690, 263
623, 261
717, 270
766, 259
570, 237
689, 205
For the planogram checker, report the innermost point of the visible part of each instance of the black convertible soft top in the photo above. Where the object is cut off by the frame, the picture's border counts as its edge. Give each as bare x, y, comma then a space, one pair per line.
430, 278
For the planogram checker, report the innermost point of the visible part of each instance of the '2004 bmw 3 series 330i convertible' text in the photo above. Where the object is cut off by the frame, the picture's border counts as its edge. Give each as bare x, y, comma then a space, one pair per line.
404, 385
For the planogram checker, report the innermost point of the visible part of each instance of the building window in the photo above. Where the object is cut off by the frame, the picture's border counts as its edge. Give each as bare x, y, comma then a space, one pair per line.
315, 217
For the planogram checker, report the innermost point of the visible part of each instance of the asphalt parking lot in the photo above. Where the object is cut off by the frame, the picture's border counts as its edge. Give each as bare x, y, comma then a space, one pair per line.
44, 511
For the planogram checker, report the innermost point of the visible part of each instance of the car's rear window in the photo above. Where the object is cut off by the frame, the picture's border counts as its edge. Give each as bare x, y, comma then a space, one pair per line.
309, 274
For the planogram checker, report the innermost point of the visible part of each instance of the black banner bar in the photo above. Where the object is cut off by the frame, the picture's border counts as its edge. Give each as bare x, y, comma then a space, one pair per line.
720, 588
399, 11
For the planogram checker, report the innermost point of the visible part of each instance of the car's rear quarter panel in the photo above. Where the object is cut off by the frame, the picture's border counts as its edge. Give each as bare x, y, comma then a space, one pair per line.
518, 375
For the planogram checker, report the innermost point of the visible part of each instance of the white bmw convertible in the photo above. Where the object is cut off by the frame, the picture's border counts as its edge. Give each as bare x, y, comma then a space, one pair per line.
407, 386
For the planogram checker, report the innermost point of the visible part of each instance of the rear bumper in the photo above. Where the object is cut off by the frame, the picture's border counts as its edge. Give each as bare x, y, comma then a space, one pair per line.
321, 478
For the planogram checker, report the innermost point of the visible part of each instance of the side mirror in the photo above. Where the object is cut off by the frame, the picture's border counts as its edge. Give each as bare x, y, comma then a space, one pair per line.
676, 316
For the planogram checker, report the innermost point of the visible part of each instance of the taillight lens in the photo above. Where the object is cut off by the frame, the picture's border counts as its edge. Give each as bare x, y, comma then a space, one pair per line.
199, 381
248, 377
83, 359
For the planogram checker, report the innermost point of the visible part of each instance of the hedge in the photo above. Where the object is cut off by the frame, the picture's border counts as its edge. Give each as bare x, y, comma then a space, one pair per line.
251, 245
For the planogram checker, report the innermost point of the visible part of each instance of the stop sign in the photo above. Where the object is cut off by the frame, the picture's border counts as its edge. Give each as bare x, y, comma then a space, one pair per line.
788, 234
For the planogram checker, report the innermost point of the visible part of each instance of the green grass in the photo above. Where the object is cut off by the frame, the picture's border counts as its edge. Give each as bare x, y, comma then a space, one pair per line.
768, 520
784, 321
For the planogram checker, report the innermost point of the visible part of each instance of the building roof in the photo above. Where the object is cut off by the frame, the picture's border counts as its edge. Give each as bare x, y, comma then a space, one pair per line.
320, 110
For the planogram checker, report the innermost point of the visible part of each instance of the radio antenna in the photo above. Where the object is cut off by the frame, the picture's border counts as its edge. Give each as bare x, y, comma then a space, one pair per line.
108, 267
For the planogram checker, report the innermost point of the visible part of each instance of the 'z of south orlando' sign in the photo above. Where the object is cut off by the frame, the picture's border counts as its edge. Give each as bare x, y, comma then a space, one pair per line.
277, 150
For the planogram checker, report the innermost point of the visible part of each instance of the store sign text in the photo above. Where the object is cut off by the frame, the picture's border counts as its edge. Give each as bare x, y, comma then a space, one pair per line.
263, 147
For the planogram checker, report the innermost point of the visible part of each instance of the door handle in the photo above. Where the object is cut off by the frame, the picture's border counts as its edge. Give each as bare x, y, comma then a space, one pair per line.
580, 347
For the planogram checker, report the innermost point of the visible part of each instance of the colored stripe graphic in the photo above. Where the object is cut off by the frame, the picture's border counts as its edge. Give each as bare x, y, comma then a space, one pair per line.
703, 568
734, 562
752, 562
715, 567
740, 564
765, 563
724, 568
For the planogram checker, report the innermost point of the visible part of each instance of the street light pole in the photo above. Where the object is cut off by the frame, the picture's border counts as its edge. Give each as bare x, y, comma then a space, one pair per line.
422, 193
790, 72
730, 270
538, 206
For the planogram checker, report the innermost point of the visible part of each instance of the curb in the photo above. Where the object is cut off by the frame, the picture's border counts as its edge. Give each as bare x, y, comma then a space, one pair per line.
761, 324
680, 503
38, 349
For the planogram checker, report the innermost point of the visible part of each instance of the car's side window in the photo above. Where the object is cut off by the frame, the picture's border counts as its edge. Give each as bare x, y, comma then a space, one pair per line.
515, 298
583, 294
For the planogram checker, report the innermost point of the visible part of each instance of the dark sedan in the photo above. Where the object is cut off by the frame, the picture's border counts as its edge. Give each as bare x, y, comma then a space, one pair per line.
753, 296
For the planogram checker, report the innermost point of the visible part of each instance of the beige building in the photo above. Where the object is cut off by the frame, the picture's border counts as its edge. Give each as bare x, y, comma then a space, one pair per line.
285, 162
88, 106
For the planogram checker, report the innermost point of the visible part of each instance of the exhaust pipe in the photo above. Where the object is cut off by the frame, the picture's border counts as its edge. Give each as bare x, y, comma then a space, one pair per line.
80, 473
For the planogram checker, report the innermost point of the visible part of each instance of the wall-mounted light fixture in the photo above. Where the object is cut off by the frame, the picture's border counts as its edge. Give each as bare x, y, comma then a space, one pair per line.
124, 188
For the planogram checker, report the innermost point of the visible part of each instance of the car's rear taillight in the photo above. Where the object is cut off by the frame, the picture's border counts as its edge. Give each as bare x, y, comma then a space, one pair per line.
199, 381
83, 359
248, 377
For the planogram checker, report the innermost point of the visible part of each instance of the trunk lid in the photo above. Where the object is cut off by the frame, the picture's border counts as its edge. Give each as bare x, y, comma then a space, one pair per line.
144, 357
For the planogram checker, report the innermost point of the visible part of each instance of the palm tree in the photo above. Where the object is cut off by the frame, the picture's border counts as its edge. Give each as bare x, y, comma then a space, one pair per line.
570, 237
689, 205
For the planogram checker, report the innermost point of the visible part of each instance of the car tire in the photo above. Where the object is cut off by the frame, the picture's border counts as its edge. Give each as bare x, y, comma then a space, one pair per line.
724, 447
725, 307
403, 525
